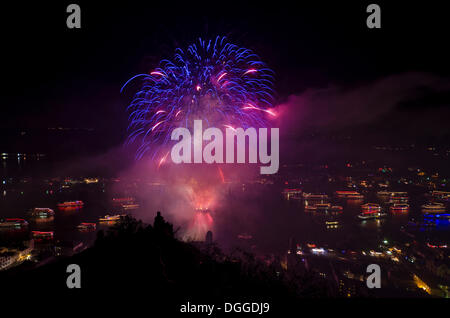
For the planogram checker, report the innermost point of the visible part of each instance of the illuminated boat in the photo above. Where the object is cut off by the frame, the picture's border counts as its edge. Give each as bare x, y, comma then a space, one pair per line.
436, 215
433, 207
42, 236
435, 210
371, 207
310, 196
355, 196
441, 195
332, 224
399, 197
293, 194
111, 218
371, 215
436, 245
130, 206
310, 208
312, 200
13, 223
86, 226
349, 195
42, 212
323, 206
371, 211
399, 207
71, 204
337, 208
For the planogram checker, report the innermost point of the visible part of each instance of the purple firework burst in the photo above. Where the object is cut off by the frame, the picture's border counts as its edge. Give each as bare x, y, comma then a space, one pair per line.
215, 81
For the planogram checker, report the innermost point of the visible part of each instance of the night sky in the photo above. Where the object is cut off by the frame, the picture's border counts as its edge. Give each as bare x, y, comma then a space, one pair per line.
57, 77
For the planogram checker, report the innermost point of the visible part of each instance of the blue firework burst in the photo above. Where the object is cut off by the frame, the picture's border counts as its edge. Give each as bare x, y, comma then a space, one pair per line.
215, 81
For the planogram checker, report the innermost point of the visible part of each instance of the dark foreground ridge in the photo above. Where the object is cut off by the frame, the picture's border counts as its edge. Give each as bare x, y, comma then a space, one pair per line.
134, 259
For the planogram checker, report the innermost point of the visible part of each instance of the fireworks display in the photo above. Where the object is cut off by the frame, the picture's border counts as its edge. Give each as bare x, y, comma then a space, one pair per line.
218, 82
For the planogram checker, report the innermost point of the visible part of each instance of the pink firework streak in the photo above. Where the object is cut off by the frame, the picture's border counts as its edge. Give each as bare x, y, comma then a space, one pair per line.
163, 159
221, 76
222, 177
159, 123
250, 71
157, 73
250, 106
231, 127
